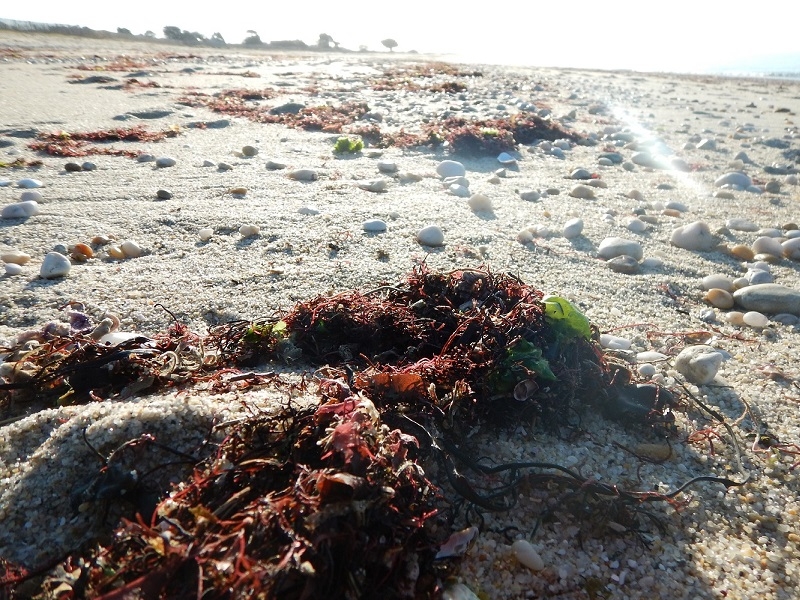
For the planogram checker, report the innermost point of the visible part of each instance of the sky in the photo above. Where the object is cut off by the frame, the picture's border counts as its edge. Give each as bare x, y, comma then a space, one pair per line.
680, 35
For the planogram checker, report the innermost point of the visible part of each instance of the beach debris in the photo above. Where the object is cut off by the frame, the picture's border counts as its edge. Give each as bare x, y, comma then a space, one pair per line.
72, 144
348, 145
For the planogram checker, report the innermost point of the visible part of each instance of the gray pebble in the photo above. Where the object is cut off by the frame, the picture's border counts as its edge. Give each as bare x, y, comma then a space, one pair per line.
450, 168
88, 166
72, 167
249, 151
768, 298
165, 161
530, 195
617, 246
580, 174
223, 166
734, 178
624, 264
303, 175
143, 158
163, 194
374, 226
739, 224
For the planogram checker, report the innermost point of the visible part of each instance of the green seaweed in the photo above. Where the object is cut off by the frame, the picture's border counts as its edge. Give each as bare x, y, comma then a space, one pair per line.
565, 319
347, 145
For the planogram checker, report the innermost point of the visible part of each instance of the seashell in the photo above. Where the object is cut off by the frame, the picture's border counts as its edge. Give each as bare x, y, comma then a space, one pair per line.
525, 389
457, 543
82, 252
527, 555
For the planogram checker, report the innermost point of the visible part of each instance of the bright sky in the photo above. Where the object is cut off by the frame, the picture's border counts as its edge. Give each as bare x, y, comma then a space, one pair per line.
679, 35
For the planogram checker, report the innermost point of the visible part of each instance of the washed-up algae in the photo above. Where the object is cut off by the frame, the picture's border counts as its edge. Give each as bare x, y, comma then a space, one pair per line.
334, 500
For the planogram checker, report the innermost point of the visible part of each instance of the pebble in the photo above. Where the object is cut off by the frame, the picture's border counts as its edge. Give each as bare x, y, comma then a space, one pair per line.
33, 195
504, 158
636, 225
386, 166
458, 591
791, 248
617, 246
13, 269
19, 210
88, 166
530, 195
735, 317
770, 298
755, 319
28, 183
582, 191
741, 225
724, 195
163, 194
767, 245
274, 165
699, 364
450, 168
143, 158
707, 144
209, 163
527, 555
249, 151
742, 252
309, 210
480, 203
72, 167
694, 236
624, 264
165, 161
758, 276
115, 252
131, 249
15, 257
734, 178
644, 159
374, 226
249, 230
718, 281
373, 185
223, 166
54, 265
719, 298
303, 175
614, 342
81, 252
650, 356
572, 228
205, 234
459, 190
431, 235
580, 174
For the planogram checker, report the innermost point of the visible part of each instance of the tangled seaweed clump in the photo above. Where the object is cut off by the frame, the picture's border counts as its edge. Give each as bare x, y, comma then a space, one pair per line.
63, 143
344, 498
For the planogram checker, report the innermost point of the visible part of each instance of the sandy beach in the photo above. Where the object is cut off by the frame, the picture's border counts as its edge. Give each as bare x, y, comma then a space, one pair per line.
249, 217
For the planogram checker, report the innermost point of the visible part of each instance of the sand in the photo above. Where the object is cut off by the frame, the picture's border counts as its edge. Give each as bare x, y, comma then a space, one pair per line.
736, 544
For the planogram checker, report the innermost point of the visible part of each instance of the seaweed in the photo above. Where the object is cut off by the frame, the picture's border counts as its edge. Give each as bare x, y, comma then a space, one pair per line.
334, 499
63, 143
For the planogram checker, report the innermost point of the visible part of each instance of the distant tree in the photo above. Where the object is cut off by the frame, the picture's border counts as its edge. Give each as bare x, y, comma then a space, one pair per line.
149, 34
218, 39
325, 41
390, 44
123, 31
253, 39
172, 33
362, 48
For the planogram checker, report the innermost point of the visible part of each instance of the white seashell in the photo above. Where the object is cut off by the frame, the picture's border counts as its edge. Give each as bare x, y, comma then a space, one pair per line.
374, 185
458, 591
457, 543
527, 555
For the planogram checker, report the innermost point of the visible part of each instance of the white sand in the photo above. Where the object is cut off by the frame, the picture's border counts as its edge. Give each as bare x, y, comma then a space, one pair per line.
739, 544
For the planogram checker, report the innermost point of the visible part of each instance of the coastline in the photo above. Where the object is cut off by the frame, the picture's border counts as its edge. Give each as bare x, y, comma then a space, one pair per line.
739, 544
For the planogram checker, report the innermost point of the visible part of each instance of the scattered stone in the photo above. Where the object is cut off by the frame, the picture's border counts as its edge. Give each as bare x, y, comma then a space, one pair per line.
72, 167
767, 245
770, 298
644, 159
290, 108
573, 228
88, 166
208, 163
12, 269
504, 158
707, 144
694, 236
734, 178
791, 248
450, 168
582, 191
431, 235
205, 234
163, 162
480, 203
614, 342
617, 246
247, 231
164, 194
530, 195
735, 317
249, 151
131, 249
742, 252
758, 276
29, 184
387, 166
719, 281
624, 264
309, 210
636, 225
374, 226
274, 165
755, 319
459, 190
699, 364
15, 257
527, 555
31, 195
374, 185
740, 224
719, 298
613, 157
724, 195
55, 265
773, 187
303, 175
580, 174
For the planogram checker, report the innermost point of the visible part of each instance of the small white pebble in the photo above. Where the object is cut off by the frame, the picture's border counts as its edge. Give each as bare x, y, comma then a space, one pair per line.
527, 555
249, 230
480, 203
131, 249
205, 234
755, 319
